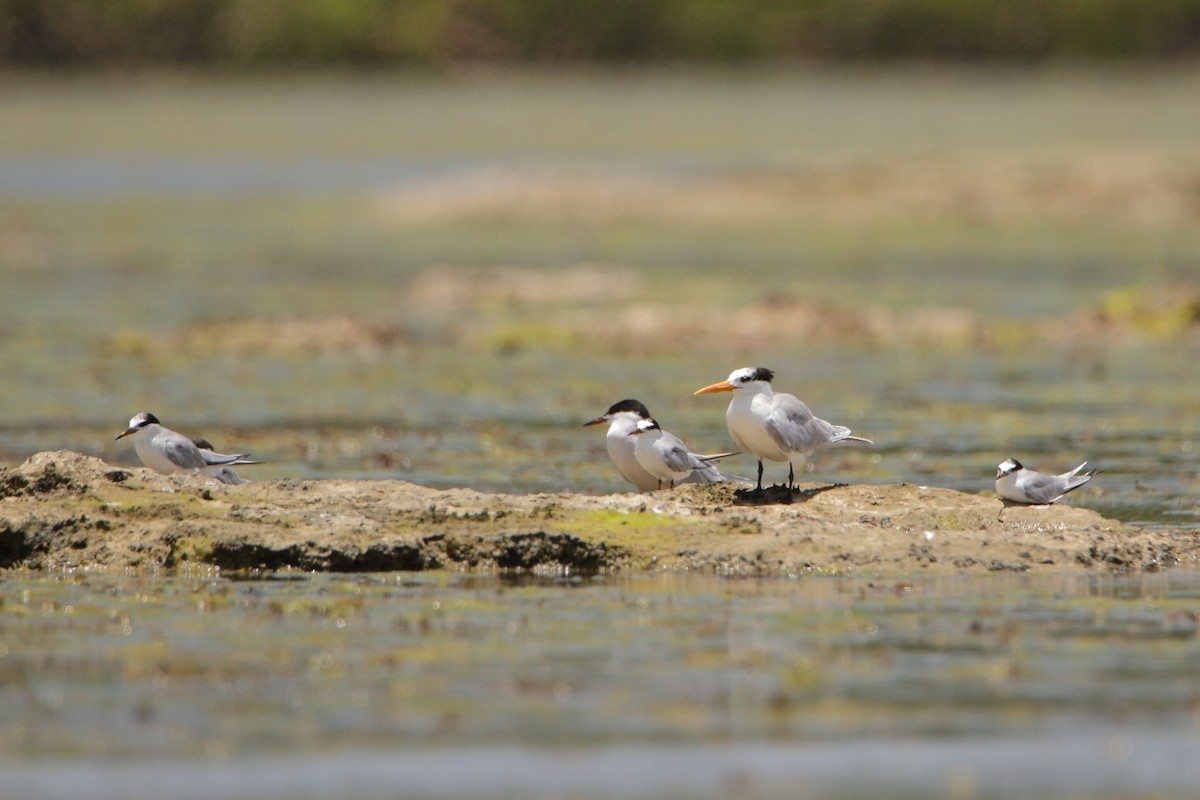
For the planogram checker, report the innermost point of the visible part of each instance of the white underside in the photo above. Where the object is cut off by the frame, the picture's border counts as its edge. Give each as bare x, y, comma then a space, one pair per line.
621, 450
746, 418
647, 449
1006, 487
148, 445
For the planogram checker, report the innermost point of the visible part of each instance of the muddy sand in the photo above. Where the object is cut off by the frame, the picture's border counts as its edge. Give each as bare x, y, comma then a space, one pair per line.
62, 510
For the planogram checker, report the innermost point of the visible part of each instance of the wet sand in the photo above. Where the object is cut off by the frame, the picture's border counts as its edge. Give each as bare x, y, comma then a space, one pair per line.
64, 510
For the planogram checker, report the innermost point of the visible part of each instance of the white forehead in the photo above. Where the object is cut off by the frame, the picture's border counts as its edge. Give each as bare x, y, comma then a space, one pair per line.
1008, 465
742, 375
138, 419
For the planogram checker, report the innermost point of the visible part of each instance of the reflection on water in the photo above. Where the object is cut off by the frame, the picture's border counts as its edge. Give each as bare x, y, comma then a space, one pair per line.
648, 686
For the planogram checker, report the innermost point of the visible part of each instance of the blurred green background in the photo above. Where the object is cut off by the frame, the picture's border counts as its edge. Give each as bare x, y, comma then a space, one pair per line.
438, 32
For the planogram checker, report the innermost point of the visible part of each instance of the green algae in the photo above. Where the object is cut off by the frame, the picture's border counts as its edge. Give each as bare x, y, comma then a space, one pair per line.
1162, 312
184, 549
639, 534
606, 523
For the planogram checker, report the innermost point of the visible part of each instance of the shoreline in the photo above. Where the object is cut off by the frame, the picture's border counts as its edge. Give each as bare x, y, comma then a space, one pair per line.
65, 511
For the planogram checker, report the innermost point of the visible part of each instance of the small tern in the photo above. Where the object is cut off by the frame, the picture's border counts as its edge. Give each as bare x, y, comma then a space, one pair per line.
163, 450
1020, 485
223, 473
775, 426
664, 455
623, 419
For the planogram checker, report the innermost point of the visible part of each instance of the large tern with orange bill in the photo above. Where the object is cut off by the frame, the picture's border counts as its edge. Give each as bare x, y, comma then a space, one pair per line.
774, 425
623, 418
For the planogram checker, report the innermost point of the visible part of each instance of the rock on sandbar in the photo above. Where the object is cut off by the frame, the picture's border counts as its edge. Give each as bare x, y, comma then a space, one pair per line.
64, 510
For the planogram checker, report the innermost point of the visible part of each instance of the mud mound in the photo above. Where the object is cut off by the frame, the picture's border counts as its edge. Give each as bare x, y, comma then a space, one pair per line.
64, 511
54, 473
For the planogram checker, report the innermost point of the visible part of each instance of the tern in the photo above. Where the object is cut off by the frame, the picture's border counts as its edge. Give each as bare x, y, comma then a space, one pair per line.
775, 426
223, 473
1020, 485
664, 455
163, 450
623, 419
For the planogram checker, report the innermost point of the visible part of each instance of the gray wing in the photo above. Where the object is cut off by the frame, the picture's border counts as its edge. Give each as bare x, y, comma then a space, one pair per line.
200, 457
183, 454
793, 427
676, 456
212, 459
1044, 488
1073, 480
708, 459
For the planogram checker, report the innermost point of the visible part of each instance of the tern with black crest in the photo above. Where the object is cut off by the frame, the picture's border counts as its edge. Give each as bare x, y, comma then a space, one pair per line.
1020, 485
774, 425
623, 419
163, 450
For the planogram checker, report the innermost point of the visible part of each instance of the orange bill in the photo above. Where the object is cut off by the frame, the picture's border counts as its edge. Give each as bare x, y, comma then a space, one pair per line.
723, 386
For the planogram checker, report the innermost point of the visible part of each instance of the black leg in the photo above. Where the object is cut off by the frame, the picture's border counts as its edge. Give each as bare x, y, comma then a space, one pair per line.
759, 489
791, 477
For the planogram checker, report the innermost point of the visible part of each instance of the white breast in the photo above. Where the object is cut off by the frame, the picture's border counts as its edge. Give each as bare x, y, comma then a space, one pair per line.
621, 450
1006, 487
150, 454
746, 418
650, 449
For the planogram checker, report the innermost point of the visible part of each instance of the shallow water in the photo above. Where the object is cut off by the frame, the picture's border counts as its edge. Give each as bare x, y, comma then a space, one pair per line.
455, 685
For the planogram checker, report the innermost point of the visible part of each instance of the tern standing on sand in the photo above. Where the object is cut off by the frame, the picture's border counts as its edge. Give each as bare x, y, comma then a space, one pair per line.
774, 425
623, 419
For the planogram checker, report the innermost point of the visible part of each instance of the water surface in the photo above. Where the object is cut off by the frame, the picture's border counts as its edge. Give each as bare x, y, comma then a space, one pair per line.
456, 685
